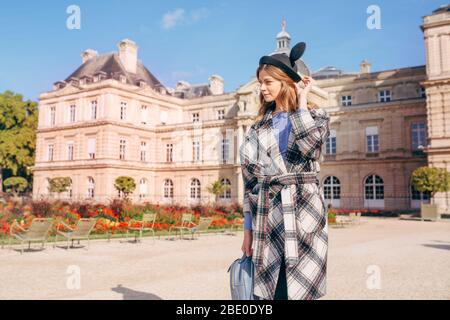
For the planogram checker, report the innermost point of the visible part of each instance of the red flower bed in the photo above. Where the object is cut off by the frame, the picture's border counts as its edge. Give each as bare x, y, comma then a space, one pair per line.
115, 218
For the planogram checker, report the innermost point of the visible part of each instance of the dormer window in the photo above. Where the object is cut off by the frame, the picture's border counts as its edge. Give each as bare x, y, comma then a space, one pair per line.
85, 80
74, 81
123, 79
59, 85
99, 76
142, 84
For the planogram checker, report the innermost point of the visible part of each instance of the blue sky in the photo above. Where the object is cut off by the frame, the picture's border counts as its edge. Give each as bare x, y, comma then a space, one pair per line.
191, 40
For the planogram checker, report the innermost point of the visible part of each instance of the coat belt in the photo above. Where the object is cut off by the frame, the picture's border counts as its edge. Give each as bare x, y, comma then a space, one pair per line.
271, 186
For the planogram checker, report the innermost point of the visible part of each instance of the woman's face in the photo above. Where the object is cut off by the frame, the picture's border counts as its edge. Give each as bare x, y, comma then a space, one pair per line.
270, 87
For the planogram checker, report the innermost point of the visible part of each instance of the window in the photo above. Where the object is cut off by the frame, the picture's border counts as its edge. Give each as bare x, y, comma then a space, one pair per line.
122, 149
91, 187
384, 96
225, 150
372, 139
50, 152
227, 192
422, 92
221, 114
330, 146
417, 195
195, 189
72, 113
169, 152
346, 101
374, 187
123, 111
418, 135
70, 151
52, 116
143, 151
93, 110
195, 117
168, 189
143, 188
69, 191
123, 79
144, 114
196, 150
332, 188
91, 148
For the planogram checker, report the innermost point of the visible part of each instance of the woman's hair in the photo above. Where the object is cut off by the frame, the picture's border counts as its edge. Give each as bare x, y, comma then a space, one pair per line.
288, 92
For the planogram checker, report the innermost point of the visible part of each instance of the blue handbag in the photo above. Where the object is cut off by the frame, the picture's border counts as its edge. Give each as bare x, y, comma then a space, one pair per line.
241, 279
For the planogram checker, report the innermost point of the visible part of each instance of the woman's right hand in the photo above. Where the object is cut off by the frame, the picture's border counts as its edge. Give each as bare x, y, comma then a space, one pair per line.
247, 243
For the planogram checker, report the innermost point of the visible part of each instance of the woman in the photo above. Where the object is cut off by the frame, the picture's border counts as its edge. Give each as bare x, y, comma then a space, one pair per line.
286, 230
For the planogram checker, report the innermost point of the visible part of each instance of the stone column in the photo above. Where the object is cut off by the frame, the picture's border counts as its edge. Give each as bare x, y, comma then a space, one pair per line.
240, 139
240, 186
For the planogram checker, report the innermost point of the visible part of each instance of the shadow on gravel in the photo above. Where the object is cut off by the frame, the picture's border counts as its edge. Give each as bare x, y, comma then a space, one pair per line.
129, 294
438, 246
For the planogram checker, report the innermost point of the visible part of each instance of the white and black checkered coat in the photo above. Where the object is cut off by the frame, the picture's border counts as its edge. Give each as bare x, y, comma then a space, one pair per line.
289, 218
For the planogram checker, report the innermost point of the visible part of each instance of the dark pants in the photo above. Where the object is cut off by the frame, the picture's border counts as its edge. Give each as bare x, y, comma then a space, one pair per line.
281, 289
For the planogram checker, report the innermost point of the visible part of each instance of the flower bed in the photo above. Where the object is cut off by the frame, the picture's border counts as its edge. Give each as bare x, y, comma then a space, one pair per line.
114, 217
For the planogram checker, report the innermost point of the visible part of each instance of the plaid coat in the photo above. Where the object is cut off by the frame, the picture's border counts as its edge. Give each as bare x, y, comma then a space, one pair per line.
288, 210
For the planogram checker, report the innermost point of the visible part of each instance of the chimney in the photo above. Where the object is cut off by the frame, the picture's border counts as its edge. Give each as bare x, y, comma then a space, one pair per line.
364, 67
128, 55
88, 54
216, 84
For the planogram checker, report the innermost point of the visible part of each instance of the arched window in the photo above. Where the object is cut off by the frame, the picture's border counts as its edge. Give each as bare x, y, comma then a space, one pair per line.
168, 189
227, 193
331, 188
195, 189
418, 195
374, 188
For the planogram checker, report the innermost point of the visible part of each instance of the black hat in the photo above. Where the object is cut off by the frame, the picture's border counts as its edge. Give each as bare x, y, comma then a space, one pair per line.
285, 62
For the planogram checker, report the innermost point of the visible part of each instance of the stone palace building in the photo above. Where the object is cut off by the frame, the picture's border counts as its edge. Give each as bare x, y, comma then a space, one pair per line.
112, 117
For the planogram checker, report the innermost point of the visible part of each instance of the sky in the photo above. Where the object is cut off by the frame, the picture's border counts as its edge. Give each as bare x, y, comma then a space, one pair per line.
192, 40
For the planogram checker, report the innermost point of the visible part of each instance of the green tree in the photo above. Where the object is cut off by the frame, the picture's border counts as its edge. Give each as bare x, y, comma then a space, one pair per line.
430, 179
217, 188
18, 124
15, 185
125, 184
59, 184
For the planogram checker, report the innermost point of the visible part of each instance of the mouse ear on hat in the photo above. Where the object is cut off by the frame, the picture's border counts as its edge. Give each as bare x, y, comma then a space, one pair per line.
296, 52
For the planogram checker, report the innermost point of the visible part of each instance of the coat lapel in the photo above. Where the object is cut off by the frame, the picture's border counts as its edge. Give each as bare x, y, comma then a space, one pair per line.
270, 143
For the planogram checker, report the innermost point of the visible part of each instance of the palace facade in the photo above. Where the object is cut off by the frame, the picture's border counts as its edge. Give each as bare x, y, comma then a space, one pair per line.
112, 117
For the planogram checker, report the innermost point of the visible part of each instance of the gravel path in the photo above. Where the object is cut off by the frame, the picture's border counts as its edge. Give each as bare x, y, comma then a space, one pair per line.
382, 258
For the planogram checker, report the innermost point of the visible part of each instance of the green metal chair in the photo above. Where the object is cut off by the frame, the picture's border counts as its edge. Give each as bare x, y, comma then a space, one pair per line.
186, 222
37, 232
188, 226
81, 231
147, 218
